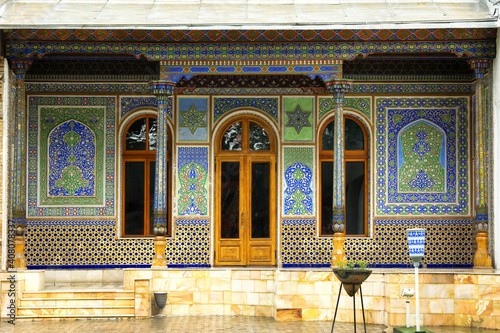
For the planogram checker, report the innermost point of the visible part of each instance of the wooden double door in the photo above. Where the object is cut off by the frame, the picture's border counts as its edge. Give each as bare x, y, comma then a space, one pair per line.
245, 194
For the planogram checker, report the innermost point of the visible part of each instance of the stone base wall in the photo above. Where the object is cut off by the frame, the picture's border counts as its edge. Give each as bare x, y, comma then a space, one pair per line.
460, 299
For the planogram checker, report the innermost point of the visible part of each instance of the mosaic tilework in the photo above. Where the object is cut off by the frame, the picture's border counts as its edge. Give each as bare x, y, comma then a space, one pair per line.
451, 116
411, 88
98, 114
298, 180
71, 160
192, 166
449, 243
83, 243
252, 91
360, 104
250, 51
128, 104
107, 88
298, 118
225, 104
191, 245
193, 119
248, 35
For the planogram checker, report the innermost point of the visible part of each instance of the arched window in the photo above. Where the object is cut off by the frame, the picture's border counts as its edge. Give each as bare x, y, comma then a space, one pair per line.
139, 164
356, 177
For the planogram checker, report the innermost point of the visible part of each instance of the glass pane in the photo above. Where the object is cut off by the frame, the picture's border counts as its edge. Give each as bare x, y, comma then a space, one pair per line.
152, 133
152, 177
134, 198
230, 200
354, 137
355, 198
259, 140
135, 138
326, 197
232, 138
260, 200
327, 137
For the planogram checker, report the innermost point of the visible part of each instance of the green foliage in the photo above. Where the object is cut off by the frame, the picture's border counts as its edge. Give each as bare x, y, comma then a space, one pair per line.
353, 266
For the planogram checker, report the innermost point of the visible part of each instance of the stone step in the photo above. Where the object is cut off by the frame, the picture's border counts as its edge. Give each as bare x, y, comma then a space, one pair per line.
74, 311
61, 302
78, 294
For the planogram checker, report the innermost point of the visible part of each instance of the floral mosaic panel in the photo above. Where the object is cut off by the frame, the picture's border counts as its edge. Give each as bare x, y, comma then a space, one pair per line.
360, 104
130, 103
422, 160
192, 166
93, 244
225, 104
298, 118
193, 119
71, 156
298, 181
449, 243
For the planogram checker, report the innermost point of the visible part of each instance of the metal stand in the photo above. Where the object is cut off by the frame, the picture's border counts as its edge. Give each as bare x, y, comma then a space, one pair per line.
354, 308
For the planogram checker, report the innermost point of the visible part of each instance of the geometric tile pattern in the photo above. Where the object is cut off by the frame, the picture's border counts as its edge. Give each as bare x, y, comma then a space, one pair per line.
223, 105
86, 126
191, 245
90, 88
128, 104
248, 35
192, 118
360, 104
411, 88
449, 243
192, 181
297, 118
83, 243
404, 149
298, 180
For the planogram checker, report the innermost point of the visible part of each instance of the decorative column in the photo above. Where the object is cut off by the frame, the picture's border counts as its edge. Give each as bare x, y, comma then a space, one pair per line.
338, 88
482, 257
162, 90
18, 190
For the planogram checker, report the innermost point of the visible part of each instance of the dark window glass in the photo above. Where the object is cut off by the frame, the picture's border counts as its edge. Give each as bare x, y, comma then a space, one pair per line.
152, 177
354, 137
355, 198
326, 197
135, 139
259, 140
134, 198
232, 138
327, 137
260, 200
152, 133
230, 199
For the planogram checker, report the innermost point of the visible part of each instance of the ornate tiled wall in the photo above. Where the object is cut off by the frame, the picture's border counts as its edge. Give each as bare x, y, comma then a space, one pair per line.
298, 181
422, 154
268, 105
193, 119
448, 244
71, 156
192, 193
298, 118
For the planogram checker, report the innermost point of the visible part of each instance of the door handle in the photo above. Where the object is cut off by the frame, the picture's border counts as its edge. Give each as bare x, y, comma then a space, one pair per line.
243, 220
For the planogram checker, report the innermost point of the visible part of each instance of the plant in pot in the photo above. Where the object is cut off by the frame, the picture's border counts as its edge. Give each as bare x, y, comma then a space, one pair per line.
352, 275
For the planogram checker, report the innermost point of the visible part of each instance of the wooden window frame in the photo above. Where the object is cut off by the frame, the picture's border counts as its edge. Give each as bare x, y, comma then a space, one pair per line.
349, 156
147, 156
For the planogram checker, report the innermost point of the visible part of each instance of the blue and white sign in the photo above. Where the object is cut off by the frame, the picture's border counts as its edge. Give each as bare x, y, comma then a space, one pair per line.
416, 244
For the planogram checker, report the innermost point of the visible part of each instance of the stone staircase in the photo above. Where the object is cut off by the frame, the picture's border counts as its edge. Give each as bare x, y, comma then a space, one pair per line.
78, 294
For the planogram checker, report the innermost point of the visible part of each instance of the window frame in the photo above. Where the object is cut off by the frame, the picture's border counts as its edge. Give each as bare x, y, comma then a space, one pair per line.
147, 156
349, 156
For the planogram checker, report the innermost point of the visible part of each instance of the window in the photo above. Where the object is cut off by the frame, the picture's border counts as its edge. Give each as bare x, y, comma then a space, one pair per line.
139, 168
356, 171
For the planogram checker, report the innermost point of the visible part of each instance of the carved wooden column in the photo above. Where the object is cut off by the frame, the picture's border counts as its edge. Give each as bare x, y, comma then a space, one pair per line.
338, 88
482, 257
162, 90
18, 190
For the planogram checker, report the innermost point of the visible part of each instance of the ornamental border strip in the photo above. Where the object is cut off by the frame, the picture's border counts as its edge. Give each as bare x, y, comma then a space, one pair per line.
251, 51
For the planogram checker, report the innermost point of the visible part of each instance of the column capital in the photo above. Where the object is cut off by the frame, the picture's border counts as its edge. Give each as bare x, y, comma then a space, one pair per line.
20, 67
480, 67
162, 88
338, 87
